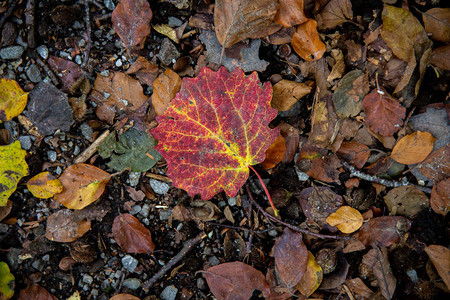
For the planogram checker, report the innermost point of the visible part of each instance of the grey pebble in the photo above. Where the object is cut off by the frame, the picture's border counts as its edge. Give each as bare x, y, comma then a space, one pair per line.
46, 257
132, 283
136, 208
78, 59
164, 214
88, 279
51, 155
37, 264
169, 293
232, 201
145, 210
134, 178
201, 284
130, 263
273, 233
34, 74
109, 4
11, 52
159, 187
86, 131
25, 142
214, 261
42, 50
174, 22
168, 52
94, 292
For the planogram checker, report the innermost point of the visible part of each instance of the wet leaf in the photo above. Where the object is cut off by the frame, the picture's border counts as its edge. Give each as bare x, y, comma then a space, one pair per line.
346, 219
5, 210
406, 201
384, 114
306, 41
312, 278
437, 23
117, 94
335, 13
440, 57
237, 20
36, 292
131, 235
131, 20
124, 297
286, 93
68, 72
165, 87
440, 257
134, 150
144, 70
413, 148
216, 127
377, 260
13, 99
440, 197
6, 282
436, 166
44, 185
355, 153
318, 164
12, 168
83, 184
48, 108
383, 231
350, 91
235, 280
167, 31
290, 13
65, 226
275, 153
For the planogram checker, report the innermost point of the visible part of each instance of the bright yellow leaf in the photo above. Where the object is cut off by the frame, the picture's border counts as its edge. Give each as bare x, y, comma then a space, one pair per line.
346, 219
44, 185
413, 148
13, 99
312, 278
12, 168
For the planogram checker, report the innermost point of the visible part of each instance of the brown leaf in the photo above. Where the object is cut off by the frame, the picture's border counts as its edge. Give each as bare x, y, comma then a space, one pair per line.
351, 89
306, 41
335, 13
165, 87
355, 153
440, 57
65, 226
275, 153
68, 71
359, 289
383, 231
5, 210
440, 197
318, 164
323, 122
235, 281
286, 93
436, 166
413, 148
437, 23
237, 20
290, 256
131, 20
377, 260
124, 297
131, 235
440, 256
339, 65
290, 13
116, 94
36, 292
144, 70
384, 114
406, 201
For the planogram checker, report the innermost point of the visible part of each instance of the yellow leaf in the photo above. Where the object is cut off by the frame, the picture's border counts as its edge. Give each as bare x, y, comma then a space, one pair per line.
167, 31
346, 219
44, 185
75, 296
413, 148
83, 184
12, 168
312, 278
13, 99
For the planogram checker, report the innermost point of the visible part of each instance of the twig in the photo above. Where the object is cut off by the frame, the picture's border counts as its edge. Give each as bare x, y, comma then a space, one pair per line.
88, 34
29, 21
385, 182
89, 151
8, 13
239, 228
190, 244
48, 71
159, 177
290, 226
103, 17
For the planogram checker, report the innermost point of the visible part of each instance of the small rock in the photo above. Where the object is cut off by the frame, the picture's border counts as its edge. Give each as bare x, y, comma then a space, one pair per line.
145, 210
25, 142
51, 155
88, 279
174, 22
109, 4
168, 52
37, 264
132, 283
130, 263
169, 293
136, 208
86, 131
11, 52
42, 50
164, 215
78, 59
118, 63
214, 261
159, 187
94, 292
46, 257
134, 178
201, 284
34, 74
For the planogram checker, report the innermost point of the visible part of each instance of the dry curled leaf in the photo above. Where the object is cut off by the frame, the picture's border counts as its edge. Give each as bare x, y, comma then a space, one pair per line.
346, 219
406, 201
335, 13
286, 93
35, 292
165, 87
290, 13
436, 166
131, 235
440, 57
413, 148
355, 153
65, 226
377, 260
144, 70
68, 72
383, 231
306, 41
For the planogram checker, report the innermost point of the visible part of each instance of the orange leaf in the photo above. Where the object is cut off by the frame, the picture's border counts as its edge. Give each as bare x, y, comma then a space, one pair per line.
290, 13
44, 185
355, 153
306, 41
286, 93
346, 219
124, 297
437, 23
165, 87
440, 197
131, 235
413, 148
312, 278
275, 153
440, 256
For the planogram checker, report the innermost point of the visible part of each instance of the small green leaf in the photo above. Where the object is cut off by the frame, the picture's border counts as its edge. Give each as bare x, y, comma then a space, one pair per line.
134, 150
12, 168
6, 282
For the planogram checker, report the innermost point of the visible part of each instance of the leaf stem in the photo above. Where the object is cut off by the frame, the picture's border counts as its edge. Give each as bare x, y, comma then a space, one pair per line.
275, 210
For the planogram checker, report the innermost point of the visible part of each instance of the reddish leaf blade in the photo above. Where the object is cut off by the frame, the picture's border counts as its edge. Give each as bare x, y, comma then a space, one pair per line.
235, 280
216, 127
291, 256
383, 231
131, 235
36, 292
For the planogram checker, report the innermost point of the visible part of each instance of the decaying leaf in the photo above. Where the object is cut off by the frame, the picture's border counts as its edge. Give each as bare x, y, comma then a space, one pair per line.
286, 93
131, 235
83, 184
440, 197
290, 13
237, 20
377, 260
384, 114
437, 23
355, 153
144, 70
35, 291
383, 231
275, 153
434, 121
216, 127
338, 68
335, 13
115, 94
5, 210
167, 31
436, 166
13, 99
359, 289
131, 20
312, 278
165, 87
124, 297
68, 71
44, 185
6, 282
65, 226
235, 280
413, 148
134, 150
306, 41
440, 57
346, 219
350, 91
318, 164
12, 168
440, 256
406, 201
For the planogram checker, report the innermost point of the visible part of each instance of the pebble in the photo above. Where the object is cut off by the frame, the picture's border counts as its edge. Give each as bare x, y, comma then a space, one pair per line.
46, 257
232, 201
11, 52
136, 208
51, 155
94, 292
118, 63
34, 74
134, 178
169, 293
145, 210
77, 25
109, 4
76, 150
42, 50
159, 187
214, 261
37, 264
86, 131
174, 22
168, 52
25, 142
78, 59
273, 233
132, 283
164, 215
201, 284
130, 263
88, 279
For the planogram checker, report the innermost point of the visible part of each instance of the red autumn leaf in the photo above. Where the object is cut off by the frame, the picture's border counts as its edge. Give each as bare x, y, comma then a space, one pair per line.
384, 114
68, 71
235, 280
355, 153
36, 292
216, 127
131, 235
291, 256
383, 231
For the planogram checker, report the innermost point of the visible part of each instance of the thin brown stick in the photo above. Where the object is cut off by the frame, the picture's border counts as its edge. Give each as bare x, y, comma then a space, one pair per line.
29, 21
88, 34
89, 151
48, 71
290, 226
188, 246
159, 177
239, 228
